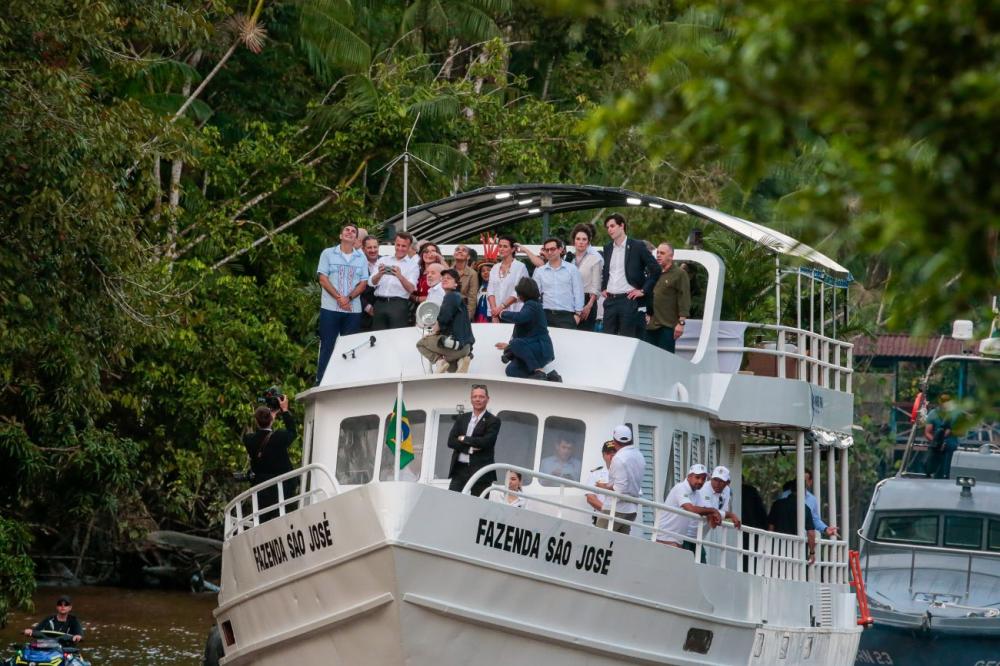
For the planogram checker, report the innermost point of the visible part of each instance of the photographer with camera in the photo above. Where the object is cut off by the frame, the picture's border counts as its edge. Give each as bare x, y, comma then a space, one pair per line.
449, 347
268, 450
394, 281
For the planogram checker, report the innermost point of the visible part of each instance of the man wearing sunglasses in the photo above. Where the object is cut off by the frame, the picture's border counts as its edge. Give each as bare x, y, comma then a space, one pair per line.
62, 621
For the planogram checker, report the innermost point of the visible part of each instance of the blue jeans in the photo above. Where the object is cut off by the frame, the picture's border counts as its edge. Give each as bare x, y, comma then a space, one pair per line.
331, 325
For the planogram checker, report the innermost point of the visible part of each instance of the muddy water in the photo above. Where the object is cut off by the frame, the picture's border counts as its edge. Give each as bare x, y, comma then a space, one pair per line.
127, 627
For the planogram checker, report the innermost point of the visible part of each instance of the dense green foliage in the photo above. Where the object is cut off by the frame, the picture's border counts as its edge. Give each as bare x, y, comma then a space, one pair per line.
172, 171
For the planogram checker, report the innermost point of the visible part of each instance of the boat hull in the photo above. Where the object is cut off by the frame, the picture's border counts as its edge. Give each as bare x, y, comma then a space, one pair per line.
409, 574
915, 647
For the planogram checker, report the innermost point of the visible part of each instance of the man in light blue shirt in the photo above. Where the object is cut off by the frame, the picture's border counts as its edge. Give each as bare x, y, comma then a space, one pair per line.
813, 504
343, 276
561, 287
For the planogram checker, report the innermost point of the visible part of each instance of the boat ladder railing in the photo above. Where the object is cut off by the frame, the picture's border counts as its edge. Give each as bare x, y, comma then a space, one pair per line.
278, 496
744, 549
914, 549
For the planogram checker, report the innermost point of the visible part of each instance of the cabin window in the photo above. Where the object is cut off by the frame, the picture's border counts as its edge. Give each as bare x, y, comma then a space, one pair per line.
418, 421
356, 451
994, 539
442, 457
963, 532
562, 449
908, 529
518, 439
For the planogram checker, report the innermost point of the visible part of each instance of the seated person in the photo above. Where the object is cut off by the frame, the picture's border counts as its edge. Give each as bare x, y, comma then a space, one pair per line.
61, 622
449, 347
563, 463
530, 349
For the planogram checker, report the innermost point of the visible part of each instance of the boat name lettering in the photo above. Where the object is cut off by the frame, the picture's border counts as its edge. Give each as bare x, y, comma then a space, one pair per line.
559, 549
884, 658
276, 551
507, 537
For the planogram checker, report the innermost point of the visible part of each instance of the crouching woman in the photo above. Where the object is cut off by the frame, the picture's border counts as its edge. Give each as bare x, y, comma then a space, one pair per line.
449, 347
530, 348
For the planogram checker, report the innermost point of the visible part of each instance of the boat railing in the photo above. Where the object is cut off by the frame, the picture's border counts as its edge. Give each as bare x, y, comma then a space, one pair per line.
914, 550
800, 354
744, 549
278, 496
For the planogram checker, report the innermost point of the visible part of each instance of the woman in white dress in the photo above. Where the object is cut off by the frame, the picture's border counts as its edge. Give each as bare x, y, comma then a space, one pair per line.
504, 276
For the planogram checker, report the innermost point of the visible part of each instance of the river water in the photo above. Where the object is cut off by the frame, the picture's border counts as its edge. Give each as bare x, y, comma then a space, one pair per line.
127, 627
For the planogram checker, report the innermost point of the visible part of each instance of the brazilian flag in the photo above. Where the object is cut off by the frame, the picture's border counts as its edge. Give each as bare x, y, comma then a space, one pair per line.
390, 434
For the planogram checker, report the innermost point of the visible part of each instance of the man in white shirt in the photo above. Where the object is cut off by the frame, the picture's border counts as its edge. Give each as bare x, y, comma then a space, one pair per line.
630, 272
600, 475
394, 281
717, 494
625, 477
676, 527
504, 276
435, 294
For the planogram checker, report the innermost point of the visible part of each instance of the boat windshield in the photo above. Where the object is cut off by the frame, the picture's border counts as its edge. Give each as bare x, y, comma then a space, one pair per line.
963, 531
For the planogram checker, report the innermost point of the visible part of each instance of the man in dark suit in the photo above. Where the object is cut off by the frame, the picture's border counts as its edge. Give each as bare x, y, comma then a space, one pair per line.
630, 273
472, 439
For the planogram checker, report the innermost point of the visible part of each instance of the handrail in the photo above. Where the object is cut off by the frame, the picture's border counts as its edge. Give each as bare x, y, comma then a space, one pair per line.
858, 583
770, 554
238, 522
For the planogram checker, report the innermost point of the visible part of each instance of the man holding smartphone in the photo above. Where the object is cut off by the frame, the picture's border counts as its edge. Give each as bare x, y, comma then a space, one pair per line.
394, 280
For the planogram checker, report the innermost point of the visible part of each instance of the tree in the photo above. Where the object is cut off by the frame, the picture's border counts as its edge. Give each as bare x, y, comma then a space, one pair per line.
897, 104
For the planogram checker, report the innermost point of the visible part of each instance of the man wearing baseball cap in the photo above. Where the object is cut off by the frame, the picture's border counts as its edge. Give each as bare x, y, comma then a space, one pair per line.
624, 477
600, 475
676, 527
718, 495
61, 622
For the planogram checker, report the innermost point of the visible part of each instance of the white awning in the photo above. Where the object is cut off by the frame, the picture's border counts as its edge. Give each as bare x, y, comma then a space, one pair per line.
774, 240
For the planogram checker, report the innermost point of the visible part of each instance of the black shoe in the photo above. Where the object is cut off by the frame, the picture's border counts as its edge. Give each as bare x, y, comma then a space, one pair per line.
554, 376
538, 374
506, 357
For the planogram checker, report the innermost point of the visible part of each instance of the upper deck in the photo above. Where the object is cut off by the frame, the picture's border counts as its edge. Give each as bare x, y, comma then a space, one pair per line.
799, 379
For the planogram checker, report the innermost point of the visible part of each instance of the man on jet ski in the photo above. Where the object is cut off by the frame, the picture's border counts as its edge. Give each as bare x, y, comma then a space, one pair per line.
62, 621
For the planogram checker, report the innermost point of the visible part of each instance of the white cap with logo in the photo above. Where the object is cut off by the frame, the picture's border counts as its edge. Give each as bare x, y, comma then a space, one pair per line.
697, 469
721, 472
623, 434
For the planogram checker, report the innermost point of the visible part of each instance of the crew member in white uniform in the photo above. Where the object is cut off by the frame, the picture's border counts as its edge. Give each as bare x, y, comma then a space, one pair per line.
625, 476
685, 496
717, 494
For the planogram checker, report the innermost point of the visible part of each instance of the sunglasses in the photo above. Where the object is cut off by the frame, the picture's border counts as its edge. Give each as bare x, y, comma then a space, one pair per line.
478, 386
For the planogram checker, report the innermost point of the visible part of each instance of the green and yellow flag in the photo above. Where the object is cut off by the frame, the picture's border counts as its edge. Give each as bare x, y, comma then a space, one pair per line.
390, 434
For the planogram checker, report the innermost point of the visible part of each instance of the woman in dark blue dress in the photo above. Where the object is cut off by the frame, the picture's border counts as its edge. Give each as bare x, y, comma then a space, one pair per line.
530, 348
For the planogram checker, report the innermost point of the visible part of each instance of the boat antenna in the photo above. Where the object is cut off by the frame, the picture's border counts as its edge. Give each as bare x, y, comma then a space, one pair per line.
921, 396
405, 156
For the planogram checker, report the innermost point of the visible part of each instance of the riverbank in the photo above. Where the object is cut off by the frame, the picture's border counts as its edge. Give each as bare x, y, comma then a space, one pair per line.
126, 627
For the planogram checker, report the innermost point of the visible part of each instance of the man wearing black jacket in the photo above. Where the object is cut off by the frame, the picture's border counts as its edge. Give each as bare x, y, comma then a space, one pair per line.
629, 275
472, 439
268, 452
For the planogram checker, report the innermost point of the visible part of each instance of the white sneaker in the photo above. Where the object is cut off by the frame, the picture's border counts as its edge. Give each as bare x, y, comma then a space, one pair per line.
463, 363
440, 367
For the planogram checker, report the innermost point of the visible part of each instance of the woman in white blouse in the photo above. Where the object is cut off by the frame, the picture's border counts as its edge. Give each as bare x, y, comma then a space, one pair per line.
504, 276
514, 484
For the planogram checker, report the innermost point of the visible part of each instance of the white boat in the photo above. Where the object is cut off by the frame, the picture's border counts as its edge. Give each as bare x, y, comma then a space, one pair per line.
360, 568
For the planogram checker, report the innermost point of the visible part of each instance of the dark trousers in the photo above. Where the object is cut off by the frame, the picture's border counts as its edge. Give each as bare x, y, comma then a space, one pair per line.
938, 461
463, 472
390, 313
591, 320
332, 325
662, 338
622, 316
560, 319
269, 497
690, 545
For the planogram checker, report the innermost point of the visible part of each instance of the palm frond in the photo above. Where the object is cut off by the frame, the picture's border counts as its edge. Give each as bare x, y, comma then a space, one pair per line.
329, 43
164, 74
168, 103
451, 161
436, 108
359, 99
470, 22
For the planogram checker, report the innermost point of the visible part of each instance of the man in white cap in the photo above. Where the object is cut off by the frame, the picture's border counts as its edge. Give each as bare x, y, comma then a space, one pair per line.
624, 477
718, 495
685, 496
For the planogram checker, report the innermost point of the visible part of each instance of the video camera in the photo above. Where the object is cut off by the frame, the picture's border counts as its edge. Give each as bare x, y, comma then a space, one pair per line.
247, 476
270, 397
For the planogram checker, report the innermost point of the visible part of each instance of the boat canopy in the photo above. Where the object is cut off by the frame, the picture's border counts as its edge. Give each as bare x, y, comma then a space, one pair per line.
453, 218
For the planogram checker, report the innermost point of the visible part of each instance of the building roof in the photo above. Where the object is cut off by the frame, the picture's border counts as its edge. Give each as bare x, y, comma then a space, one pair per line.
897, 345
